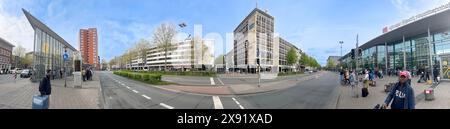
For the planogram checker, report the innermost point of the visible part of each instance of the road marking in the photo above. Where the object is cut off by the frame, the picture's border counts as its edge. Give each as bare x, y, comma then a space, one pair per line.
212, 81
166, 106
145, 96
135, 91
128, 87
217, 102
220, 81
240, 106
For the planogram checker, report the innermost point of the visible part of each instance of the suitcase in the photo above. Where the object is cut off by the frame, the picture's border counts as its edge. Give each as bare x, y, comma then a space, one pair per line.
373, 83
387, 88
365, 92
40, 102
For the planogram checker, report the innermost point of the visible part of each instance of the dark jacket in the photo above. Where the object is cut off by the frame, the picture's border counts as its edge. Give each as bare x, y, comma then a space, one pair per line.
402, 97
45, 86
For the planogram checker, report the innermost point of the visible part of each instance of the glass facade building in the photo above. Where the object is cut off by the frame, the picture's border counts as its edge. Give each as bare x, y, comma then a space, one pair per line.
423, 45
48, 50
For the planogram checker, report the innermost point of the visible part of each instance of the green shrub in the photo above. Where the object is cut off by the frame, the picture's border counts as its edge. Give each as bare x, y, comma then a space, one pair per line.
146, 77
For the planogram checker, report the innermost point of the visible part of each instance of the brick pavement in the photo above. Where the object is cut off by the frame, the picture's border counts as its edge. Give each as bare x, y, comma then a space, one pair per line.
18, 95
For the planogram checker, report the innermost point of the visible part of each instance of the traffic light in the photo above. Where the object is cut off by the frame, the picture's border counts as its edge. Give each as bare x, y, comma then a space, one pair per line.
352, 54
360, 52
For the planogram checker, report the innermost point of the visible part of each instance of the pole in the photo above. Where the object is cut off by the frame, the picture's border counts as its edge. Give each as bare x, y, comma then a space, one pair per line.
429, 48
404, 54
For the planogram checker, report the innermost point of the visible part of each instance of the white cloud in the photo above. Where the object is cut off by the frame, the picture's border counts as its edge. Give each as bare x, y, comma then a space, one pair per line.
408, 8
16, 29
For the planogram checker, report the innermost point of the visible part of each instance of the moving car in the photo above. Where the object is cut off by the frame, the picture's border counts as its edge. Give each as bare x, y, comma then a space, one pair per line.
25, 73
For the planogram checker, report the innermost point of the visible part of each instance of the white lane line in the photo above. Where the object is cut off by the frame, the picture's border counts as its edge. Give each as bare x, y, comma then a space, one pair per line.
212, 81
166, 106
217, 102
127, 87
240, 106
145, 96
220, 81
135, 91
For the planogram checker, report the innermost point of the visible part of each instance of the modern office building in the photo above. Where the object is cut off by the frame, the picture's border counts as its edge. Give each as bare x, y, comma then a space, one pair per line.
284, 47
420, 43
88, 41
49, 48
186, 55
5, 55
253, 41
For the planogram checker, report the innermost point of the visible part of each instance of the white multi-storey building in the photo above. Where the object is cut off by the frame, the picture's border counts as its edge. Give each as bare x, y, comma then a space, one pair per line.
187, 55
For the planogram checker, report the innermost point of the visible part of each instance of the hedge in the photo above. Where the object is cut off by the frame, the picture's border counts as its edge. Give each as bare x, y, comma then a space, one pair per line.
144, 77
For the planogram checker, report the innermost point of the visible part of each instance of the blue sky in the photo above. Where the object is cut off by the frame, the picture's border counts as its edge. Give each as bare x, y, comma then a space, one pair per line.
315, 26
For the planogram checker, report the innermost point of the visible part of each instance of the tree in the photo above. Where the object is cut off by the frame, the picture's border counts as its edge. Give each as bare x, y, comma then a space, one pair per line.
104, 64
142, 46
331, 64
18, 55
291, 57
219, 59
163, 37
19, 51
27, 61
129, 55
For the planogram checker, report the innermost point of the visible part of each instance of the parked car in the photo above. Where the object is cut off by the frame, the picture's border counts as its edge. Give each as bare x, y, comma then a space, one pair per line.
16, 71
25, 73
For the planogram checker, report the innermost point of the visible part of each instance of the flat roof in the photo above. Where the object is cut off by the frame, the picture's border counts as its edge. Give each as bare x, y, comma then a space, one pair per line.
251, 13
7, 43
35, 23
435, 22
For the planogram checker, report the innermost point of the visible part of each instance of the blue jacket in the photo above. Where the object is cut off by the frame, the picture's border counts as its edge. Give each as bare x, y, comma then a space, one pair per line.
402, 97
45, 86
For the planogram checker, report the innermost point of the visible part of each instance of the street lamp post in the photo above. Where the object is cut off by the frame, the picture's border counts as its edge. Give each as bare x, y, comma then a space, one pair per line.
341, 42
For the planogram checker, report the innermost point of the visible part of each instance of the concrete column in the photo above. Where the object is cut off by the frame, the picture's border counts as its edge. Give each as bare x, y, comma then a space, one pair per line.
386, 57
404, 53
430, 52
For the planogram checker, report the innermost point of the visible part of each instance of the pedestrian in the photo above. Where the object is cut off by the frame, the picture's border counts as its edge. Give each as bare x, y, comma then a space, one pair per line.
45, 87
353, 83
61, 73
381, 74
436, 74
401, 95
83, 74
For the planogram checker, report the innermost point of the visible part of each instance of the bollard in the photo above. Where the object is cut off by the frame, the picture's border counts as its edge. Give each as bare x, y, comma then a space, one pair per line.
429, 94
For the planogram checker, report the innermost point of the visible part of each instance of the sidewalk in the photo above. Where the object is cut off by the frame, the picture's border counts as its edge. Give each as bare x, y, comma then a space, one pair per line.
19, 95
376, 94
442, 98
242, 89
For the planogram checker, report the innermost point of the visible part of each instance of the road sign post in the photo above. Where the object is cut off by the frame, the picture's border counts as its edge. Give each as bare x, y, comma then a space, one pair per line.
65, 57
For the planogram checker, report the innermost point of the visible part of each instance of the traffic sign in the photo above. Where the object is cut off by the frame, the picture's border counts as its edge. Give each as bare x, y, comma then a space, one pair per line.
65, 57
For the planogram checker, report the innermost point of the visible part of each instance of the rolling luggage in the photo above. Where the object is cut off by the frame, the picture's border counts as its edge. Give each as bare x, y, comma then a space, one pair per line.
40, 102
365, 92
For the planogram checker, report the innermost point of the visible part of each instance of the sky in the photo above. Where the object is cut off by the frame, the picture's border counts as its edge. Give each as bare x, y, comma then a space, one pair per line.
315, 26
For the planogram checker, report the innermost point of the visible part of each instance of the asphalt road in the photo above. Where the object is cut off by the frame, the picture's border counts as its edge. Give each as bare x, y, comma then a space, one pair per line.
318, 93
123, 93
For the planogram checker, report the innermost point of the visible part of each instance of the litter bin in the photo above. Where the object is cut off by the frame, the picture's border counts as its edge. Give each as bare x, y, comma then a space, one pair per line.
429, 94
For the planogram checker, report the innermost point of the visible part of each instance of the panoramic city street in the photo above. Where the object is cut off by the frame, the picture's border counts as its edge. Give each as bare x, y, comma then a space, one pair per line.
258, 55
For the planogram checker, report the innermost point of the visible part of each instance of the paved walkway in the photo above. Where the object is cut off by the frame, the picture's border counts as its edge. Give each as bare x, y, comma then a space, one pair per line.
442, 98
18, 95
243, 89
376, 94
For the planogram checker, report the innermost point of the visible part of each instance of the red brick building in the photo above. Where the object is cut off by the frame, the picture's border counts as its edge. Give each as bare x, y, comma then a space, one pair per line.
89, 47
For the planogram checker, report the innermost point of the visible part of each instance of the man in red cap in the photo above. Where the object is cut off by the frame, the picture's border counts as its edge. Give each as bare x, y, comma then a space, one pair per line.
401, 95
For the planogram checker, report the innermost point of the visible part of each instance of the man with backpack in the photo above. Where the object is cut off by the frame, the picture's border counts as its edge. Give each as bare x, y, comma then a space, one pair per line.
401, 95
